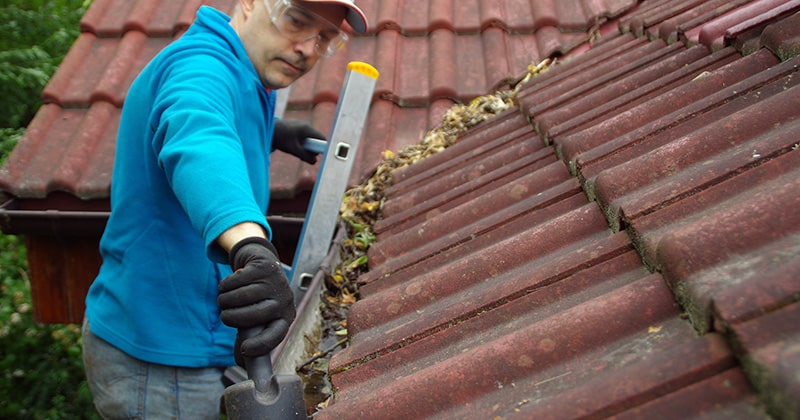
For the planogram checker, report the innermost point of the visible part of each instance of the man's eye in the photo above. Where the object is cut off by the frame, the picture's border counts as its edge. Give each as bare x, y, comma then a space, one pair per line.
294, 22
297, 21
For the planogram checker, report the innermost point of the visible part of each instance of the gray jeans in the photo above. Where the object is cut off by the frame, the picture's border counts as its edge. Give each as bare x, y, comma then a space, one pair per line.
128, 388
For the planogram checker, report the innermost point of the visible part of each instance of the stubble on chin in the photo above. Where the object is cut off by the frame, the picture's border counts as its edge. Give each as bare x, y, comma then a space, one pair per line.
275, 78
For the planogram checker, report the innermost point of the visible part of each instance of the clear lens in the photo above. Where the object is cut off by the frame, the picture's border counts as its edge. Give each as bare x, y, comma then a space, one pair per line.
300, 25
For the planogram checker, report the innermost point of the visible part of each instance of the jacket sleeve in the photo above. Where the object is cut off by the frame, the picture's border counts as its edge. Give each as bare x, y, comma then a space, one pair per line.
200, 149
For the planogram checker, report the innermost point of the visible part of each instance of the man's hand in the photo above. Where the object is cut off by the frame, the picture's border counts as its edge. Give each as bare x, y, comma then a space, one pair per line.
289, 135
257, 294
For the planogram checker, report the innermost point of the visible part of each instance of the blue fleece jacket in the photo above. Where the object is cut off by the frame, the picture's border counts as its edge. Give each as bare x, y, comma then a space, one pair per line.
192, 160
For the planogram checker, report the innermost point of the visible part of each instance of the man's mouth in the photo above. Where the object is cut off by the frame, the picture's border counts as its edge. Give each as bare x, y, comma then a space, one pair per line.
296, 67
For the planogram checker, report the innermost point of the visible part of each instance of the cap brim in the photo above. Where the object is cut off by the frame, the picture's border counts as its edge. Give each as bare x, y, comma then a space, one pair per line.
356, 19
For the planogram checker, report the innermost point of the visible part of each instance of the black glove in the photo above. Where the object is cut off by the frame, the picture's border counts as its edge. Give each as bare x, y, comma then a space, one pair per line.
289, 135
257, 294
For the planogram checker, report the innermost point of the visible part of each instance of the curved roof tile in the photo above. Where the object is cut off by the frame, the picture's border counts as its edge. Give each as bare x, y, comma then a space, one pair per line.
430, 55
648, 269
622, 244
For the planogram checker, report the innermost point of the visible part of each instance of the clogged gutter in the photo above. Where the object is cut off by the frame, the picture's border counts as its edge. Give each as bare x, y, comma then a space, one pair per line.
361, 208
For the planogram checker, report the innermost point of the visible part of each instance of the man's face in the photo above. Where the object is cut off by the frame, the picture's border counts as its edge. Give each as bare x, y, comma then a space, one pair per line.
278, 60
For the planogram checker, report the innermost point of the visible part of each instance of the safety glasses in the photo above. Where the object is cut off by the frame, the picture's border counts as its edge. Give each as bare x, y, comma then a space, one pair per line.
300, 25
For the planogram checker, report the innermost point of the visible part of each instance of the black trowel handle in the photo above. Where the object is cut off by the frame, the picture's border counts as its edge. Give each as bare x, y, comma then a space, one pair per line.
259, 369
264, 395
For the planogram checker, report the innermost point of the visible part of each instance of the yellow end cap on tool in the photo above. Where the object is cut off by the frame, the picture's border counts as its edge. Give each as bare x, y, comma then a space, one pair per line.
363, 68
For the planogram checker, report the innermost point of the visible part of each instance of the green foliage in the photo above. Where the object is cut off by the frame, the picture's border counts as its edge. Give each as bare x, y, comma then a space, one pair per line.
8, 139
41, 372
35, 37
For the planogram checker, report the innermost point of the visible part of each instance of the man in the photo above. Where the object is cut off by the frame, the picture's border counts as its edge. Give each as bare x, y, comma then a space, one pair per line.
189, 196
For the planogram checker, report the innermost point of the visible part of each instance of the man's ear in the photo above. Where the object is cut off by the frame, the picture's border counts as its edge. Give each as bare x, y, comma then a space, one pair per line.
247, 7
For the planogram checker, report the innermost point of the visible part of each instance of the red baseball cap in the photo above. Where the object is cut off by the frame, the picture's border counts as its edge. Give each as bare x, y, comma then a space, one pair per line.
355, 16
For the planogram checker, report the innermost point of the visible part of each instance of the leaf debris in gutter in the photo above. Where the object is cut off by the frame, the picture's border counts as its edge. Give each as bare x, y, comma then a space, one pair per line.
362, 205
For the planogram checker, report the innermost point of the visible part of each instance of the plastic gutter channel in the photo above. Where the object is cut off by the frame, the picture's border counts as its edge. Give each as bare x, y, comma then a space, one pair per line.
14, 221
292, 350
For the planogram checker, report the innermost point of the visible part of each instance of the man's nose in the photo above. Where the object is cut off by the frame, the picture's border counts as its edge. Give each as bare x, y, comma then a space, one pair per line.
308, 47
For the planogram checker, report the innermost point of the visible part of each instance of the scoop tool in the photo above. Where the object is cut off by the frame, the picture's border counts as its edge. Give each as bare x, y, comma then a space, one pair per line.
265, 395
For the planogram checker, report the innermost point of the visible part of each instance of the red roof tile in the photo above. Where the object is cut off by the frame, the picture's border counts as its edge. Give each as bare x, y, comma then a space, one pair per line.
622, 244
430, 55
481, 303
769, 345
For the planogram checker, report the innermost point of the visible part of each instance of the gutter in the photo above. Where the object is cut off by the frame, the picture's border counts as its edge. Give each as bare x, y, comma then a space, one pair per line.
304, 334
17, 221
18, 217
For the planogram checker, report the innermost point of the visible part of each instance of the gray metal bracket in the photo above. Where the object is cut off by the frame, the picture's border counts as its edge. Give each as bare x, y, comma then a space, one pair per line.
338, 155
